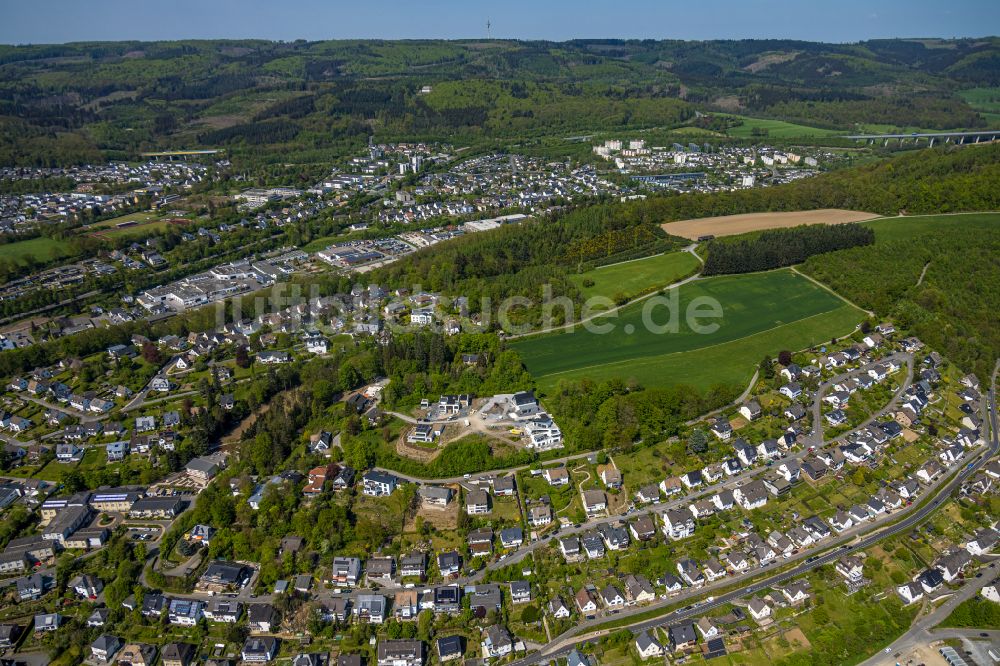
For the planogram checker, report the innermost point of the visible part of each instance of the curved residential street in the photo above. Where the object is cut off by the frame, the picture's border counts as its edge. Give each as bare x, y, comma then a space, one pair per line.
844, 545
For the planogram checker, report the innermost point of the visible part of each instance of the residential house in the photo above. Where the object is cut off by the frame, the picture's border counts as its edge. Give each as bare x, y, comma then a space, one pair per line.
910, 592
450, 647
678, 524
612, 597
759, 610
262, 617
586, 602
707, 628
751, 410
380, 570
346, 571
104, 648
178, 654
797, 592
643, 528
594, 502
449, 563
682, 637
520, 592
983, 542
558, 609
259, 649
497, 642
638, 589
690, 572
477, 502
399, 652
511, 537
378, 484
647, 646
370, 608
953, 565
556, 476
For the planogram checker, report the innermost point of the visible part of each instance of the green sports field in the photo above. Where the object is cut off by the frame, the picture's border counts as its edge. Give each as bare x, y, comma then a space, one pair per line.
762, 313
634, 278
138, 218
146, 224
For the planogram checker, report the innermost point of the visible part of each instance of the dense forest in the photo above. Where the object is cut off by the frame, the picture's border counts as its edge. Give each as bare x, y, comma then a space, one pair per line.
274, 102
953, 308
782, 247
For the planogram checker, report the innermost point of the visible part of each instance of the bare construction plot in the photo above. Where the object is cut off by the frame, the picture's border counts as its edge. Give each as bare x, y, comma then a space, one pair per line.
730, 225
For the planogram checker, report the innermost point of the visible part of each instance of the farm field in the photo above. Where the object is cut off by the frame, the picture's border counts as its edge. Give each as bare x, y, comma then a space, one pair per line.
986, 101
633, 278
42, 249
914, 226
731, 225
776, 129
762, 314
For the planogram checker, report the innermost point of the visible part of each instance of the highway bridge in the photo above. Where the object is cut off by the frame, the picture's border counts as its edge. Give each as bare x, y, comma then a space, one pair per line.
930, 137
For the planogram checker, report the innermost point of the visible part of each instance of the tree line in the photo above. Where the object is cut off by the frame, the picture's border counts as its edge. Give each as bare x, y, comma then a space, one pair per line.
782, 247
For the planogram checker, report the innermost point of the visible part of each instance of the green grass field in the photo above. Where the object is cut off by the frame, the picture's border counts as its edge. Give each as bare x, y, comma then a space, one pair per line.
146, 223
986, 101
763, 313
138, 230
776, 129
913, 226
42, 249
139, 218
634, 278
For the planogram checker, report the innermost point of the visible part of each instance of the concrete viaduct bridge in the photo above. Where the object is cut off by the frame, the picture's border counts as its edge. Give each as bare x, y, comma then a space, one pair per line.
930, 137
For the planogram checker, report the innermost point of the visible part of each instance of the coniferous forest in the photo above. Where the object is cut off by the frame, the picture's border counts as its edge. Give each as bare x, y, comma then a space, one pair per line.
782, 247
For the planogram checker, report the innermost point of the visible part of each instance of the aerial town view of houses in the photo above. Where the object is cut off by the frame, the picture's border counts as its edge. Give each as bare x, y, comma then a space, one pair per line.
578, 353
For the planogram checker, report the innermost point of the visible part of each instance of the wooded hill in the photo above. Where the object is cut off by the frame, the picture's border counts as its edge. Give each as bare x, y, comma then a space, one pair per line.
79, 102
938, 277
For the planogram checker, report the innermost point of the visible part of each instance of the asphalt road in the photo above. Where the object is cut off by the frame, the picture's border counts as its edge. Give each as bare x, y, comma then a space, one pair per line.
922, 633
817, 404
